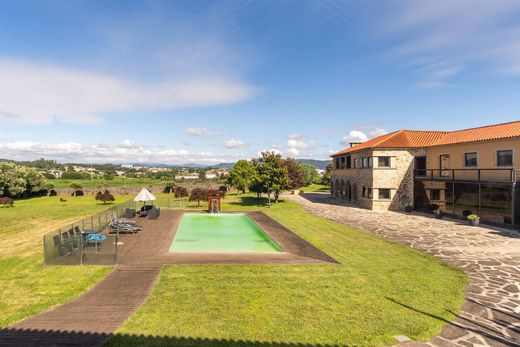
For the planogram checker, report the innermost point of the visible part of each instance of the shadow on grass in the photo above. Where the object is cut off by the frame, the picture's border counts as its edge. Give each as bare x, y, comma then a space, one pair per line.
492, 331
251, 201
29, 338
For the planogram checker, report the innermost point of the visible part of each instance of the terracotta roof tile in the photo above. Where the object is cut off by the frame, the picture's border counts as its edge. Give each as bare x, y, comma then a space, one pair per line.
486, 133
417, 139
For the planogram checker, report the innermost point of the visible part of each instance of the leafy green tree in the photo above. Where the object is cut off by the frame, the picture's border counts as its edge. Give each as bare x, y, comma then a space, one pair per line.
169, 187
310, 175
12, 182
202, 175
273, 174
103, 184
18, 180
34, 180
295, 174
241, 175
325, 179
76, 186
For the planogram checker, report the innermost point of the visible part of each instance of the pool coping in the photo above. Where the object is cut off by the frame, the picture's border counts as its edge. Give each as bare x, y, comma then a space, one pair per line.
151, 246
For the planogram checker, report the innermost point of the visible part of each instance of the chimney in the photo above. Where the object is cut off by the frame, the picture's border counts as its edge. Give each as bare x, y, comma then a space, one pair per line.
352, 144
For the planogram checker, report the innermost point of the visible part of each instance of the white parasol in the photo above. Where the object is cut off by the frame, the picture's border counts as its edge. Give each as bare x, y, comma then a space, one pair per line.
144, 196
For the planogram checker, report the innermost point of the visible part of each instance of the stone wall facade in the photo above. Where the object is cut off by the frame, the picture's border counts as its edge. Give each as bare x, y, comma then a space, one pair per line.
398, 178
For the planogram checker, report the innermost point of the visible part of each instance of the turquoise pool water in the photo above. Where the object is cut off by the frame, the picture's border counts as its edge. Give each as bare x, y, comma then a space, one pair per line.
203, 232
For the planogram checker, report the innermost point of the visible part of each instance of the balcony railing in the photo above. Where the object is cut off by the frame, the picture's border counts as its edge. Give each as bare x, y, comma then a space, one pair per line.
478, 175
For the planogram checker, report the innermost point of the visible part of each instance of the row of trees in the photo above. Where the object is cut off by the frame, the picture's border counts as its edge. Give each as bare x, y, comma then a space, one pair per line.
20, 181
202, 194
271, 174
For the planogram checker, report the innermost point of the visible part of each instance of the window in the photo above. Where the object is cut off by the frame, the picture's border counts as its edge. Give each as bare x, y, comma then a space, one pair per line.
383, 161
384, 194
470, 159
364, 192
342, 165
349, 162
364, 162
337, 163
435, 194
369, 193
505, 158
369, 161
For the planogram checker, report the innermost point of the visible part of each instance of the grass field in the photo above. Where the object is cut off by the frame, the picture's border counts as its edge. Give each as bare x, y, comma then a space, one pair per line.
26, 286
116, 183
379, 290
316, 188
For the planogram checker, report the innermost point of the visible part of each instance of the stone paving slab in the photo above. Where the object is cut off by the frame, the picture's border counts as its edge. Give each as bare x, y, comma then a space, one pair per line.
490, 257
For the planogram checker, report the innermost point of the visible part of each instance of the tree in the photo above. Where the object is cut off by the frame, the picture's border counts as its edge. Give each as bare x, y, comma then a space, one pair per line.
49, 187
180, 192
103, 184
294, 173
273, 174
202, 175
105, 197
76, 186
310, 175
325, 179
241, 175
199, 194
17, 180
169, 187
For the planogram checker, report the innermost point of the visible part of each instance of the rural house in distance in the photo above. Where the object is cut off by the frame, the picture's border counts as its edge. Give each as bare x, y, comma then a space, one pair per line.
465, 170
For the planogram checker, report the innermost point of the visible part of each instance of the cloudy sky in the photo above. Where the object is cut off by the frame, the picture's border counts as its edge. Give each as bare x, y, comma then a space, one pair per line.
215, 81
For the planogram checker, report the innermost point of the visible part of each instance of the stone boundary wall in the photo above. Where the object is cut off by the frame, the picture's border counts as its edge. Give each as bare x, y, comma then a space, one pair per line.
133, 190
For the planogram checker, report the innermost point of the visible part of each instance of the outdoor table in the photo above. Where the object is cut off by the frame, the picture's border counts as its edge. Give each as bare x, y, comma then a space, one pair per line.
86, 232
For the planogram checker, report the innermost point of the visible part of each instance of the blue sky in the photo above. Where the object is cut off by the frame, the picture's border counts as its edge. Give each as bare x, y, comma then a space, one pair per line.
216, 81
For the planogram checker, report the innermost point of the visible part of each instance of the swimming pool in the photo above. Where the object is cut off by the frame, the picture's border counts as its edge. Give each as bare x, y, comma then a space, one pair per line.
222, 232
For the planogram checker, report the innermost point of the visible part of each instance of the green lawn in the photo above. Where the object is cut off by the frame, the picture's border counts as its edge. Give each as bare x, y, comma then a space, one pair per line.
116, 182
26, 286
379, 290
316, 188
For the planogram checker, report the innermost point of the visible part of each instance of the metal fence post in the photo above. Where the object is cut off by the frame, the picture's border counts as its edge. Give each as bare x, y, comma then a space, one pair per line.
45, 260
81, 250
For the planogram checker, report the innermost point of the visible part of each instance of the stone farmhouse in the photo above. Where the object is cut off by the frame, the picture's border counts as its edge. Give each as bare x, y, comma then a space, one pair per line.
459, 171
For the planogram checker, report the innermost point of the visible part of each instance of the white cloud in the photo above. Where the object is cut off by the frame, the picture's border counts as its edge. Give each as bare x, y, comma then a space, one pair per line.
377, 132
127, 144
272, 150
355, 136
203, 132
129, 152
298, 145
362, 136
233, 143
36, 93
299, 141
443, 37
294, 151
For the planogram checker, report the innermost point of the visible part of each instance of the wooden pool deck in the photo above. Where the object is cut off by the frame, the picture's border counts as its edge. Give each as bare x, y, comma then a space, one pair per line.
89, 319
151, 246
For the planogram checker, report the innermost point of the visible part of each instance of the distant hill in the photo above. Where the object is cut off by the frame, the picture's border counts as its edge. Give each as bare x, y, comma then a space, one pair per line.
320, 164
223, 166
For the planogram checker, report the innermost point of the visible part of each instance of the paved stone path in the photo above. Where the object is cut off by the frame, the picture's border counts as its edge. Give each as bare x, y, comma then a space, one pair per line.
490, 257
